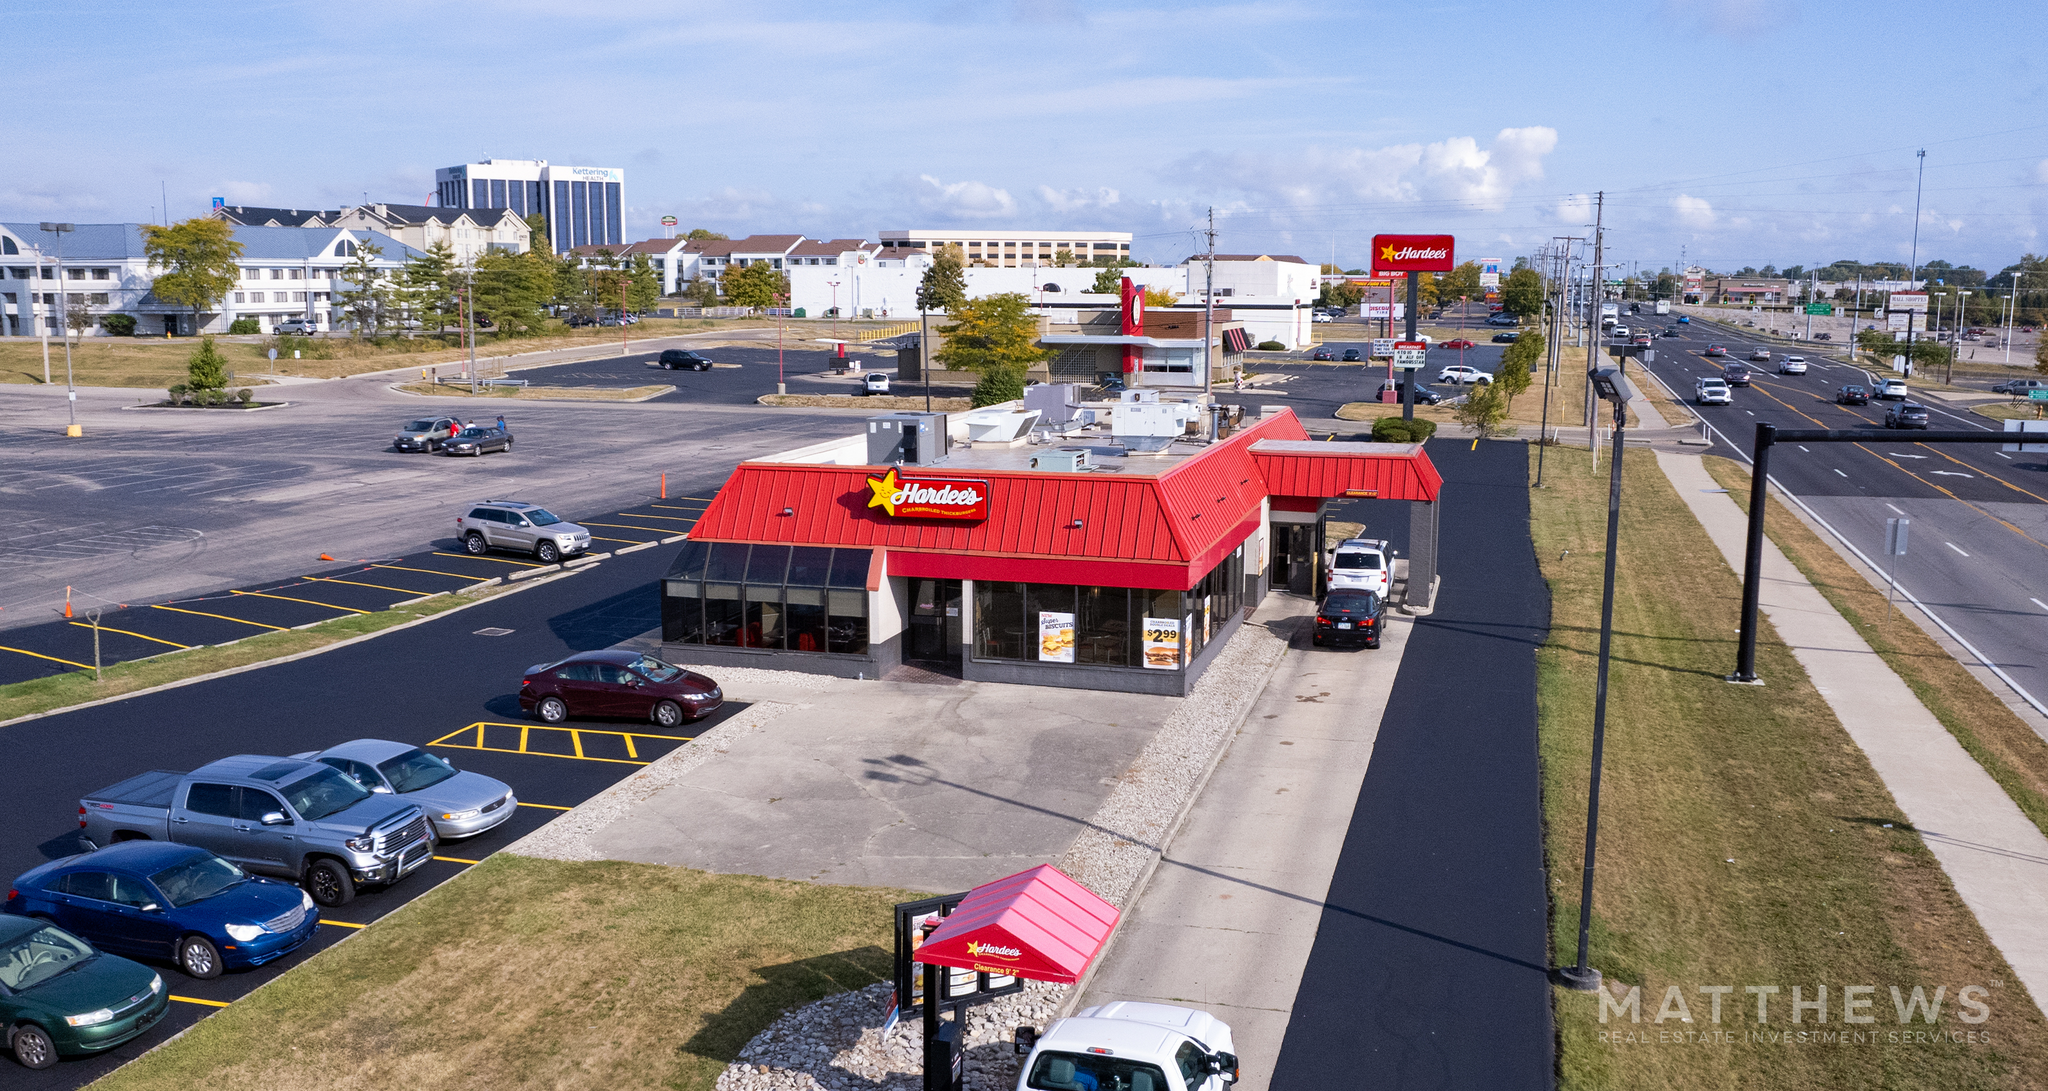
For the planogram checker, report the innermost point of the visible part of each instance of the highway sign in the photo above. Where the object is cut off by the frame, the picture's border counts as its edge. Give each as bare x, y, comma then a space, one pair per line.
2038, 395
1382, 347
1820, 308
2030, 426
1410, 354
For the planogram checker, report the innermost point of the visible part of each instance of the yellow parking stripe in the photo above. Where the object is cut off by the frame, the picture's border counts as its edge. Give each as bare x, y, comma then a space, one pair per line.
545, 806
339, 924
663, 518
456, 860
309, 602
196, 1000
358, 583
51, 658
433, 572
624, 526
223, 617
472, 738
628, 541
138, 636
499, 560
671, 507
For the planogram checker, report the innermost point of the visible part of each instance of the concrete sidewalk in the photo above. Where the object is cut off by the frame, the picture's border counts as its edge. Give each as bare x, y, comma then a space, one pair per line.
1229, 919
1997, 859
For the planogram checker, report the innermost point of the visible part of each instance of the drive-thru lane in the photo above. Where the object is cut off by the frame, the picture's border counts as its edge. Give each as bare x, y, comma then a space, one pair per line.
1978, 551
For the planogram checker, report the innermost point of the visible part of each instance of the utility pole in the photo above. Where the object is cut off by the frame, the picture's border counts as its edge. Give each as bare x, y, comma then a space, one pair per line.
1914, 268
1555, 346
1594, 295
63, 300
1209, 307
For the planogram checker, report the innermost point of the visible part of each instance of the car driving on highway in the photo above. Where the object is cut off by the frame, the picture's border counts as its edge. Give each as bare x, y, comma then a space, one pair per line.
1792, 365
1906, 415
1736, 375
1711, 390
1760, 355
1853, 394
458, 803
1462, 374
1715, 350
619, 684
1892, 390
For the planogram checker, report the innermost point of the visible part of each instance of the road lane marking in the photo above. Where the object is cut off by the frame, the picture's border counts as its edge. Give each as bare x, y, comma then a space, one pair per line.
1894, 508
223, 617
2038, 602
196, 1000
1949, 473
51, 658
1802, 448
288, 598
1955, 547
2003, 455
456, 860
138, 636
1838, 473
1900, 454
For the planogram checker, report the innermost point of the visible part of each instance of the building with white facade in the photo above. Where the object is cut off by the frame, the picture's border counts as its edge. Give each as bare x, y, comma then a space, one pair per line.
583, 205
1011, 249
286, 272
468, 232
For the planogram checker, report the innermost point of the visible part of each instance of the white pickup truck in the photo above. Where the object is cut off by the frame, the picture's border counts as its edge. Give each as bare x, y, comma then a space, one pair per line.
1128, 1046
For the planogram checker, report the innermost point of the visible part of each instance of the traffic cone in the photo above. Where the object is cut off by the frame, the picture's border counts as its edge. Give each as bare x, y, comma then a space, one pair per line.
325, 557
67, 602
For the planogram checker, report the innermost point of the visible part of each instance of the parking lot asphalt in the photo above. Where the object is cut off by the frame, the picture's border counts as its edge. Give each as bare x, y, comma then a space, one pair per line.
1430, 960
450, 683
751, 371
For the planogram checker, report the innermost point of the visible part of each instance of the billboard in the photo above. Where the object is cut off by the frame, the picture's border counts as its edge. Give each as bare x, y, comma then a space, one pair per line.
1397, 254
1489, 272
1907, 301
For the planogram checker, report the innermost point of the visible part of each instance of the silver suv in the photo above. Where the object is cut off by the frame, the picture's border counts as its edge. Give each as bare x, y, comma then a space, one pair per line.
522, 527
302, 327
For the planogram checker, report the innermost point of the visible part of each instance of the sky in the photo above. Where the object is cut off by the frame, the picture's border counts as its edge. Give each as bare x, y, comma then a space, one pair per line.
1725, 133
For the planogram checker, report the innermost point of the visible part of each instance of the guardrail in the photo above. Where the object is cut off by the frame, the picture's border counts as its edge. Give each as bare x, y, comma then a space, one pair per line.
897, 330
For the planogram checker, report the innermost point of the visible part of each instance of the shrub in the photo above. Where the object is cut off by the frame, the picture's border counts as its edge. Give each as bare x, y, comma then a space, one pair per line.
244, 395
120, 325
998, 385
245, 325
1272, 346
177, 393
207, 368
1396, 430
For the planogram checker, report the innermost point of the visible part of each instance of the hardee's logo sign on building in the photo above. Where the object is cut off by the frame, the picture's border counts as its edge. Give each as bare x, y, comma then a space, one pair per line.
993, 950
928, 497
1413, 254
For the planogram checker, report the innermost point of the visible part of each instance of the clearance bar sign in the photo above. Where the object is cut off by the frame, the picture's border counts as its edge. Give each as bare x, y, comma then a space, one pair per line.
908, 497
1398, 254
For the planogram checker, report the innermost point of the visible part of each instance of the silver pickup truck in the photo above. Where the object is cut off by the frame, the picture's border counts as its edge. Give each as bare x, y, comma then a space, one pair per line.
277, 816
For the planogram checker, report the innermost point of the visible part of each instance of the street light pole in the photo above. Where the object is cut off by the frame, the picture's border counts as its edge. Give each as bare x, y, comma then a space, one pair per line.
1955, 336
63, 301
40, 323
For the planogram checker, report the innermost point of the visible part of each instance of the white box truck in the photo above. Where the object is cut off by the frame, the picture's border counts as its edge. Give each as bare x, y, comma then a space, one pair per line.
1609, 313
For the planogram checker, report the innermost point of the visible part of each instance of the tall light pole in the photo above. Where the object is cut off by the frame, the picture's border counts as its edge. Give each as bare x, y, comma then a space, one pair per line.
1918, 179
1955, 336
2011, 314
40, 324
63, 301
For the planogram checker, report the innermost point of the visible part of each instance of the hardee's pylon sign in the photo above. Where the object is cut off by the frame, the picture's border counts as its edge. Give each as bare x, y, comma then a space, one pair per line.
1413, 254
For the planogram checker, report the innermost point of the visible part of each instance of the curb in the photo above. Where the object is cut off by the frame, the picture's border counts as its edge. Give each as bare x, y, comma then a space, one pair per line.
634, 549
203, 408
586, 559
529, 573
475, 587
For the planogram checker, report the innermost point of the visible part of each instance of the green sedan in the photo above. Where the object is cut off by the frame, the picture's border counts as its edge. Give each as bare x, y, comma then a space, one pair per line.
61, 998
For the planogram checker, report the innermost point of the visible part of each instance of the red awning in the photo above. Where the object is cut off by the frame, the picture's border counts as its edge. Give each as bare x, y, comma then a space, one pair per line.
1037, 924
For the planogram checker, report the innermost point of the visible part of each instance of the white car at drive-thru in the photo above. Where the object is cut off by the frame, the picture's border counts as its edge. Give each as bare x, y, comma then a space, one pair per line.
1128, 1046
1360, 564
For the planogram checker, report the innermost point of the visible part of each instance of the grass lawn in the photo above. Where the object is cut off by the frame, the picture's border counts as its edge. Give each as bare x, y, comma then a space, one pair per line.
64, 690
2014, 410
1744, 842
537, 973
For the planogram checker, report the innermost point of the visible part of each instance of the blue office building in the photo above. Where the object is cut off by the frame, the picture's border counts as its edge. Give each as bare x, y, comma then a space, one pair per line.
584, 205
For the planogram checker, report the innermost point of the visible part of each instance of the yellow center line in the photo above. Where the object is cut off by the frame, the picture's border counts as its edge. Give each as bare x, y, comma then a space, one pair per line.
138, 636
433, 572
51, 658
359, 583
339, 924
223, 617
456, 860
308, 602
494, 560
196, 1000
545, 806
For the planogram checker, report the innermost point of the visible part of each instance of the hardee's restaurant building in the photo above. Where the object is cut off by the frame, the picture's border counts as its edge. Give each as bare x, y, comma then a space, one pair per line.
1086, 561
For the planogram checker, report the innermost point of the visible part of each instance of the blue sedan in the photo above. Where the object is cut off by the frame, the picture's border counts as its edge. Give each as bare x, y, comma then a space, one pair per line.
152, 899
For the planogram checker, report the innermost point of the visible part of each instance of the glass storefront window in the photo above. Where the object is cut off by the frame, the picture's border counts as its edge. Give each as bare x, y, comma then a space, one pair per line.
847, 620
768, 596
809, 565
999, 620
727, 563
1104, 635
723, 617
805, 618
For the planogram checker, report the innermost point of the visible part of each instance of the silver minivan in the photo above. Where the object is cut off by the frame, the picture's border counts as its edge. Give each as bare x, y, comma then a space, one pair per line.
521, 527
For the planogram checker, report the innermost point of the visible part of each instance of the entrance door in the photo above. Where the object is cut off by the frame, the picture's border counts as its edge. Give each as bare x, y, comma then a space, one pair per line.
934, 633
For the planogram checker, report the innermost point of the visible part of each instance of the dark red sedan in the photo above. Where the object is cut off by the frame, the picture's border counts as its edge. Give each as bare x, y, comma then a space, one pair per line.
627, 685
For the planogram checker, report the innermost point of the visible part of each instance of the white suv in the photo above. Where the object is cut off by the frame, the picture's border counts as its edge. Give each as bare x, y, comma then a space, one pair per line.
1462, 374
1792, 365
1360, 564
522, 527
1711, 391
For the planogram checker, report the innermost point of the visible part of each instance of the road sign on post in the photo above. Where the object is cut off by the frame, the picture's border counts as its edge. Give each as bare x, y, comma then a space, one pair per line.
1827, 309
1409, 355
1383, 348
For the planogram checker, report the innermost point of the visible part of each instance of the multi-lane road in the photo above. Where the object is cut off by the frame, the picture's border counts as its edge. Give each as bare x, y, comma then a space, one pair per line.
1978, 548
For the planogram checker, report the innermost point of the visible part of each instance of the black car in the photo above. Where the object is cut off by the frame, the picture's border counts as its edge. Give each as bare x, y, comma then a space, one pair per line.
1736, 375
1906, 415
1670, 333
1852, 395
1423, 394
682, 360
1351, 355
1823, 336
1506, 338
1347, 616
476, 439
576, 321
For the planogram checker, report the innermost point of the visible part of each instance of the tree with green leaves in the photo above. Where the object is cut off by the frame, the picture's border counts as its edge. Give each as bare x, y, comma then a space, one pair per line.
1342, 293
643, 285
2041, 356
944, 286
537, 227
598, 278
705, 235
1063, 259
1461, 283
1483, 411
1521, 294
207, 369
1110, 281
996, 337
200, 259
757, 285
702, 292
367, 299
1517, 366
427, 287
513, 290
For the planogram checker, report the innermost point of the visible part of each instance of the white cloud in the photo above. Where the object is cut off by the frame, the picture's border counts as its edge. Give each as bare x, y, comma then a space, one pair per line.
1693, 212
967, 200
1739, 19
245, 193
1073, 200
1456, 169
2041, 172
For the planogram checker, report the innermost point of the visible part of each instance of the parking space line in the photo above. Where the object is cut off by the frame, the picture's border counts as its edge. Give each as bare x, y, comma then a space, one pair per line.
664, 518
51, 658
621, 526
670, 507
526, 733
339, 924
288, 598
628, 541
434, 572
196, 1000
457, 860
358, 583
499, 560
138, 636
223, 617
545, 806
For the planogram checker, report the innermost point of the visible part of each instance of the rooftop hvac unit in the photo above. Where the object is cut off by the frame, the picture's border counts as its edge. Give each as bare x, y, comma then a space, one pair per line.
1057, 403
1151, 426
913, 439
1065, 460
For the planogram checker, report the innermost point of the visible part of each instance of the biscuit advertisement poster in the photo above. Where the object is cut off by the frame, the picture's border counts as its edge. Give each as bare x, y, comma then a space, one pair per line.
1055, 637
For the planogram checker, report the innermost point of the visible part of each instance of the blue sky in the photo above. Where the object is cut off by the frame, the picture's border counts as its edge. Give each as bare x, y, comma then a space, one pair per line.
1735, 132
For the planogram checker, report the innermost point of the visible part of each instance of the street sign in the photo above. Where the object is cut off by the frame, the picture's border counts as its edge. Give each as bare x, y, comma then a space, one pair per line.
2037, 427
1382, 347
273, 354
1410, 354
1895, 534
1821, 308
1897, 321
1906, 301
2038, 395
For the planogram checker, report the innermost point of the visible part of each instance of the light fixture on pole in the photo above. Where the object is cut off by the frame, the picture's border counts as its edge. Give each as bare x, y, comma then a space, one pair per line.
63, 300
1607, 384
1955, 336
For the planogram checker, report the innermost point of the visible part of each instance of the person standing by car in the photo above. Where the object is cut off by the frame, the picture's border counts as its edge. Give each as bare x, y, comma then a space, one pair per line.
501, 422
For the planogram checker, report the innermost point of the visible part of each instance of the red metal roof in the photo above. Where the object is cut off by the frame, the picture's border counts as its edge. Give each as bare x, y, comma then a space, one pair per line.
1037, 924
1384, 471
1165, 530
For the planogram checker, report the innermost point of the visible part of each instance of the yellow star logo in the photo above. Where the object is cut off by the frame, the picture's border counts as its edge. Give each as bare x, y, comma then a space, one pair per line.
885, 492
1387, 252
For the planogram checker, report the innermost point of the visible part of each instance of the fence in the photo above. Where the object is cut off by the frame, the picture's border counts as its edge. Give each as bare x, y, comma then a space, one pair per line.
897, 330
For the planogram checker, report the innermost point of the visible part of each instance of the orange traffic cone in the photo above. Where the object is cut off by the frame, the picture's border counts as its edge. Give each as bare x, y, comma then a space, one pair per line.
325, 557
67, 602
